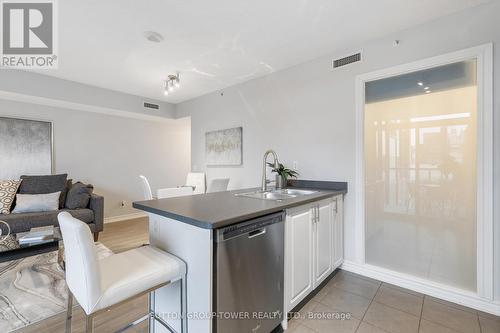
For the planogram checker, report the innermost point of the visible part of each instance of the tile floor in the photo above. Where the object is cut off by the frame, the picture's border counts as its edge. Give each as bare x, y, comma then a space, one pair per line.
377, 307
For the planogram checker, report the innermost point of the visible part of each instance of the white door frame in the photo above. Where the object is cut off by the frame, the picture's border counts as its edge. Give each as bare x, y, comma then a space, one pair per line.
484, 56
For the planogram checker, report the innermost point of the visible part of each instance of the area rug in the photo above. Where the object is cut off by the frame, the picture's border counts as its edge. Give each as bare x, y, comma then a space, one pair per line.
33, 289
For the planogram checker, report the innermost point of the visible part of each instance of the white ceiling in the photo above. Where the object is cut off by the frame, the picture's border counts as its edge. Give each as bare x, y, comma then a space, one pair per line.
218, 43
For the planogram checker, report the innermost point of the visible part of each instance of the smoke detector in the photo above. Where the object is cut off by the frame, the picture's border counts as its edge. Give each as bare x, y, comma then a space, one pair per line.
153, 36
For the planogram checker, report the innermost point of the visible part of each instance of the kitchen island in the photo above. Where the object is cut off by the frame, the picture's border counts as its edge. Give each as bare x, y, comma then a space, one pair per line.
187, 227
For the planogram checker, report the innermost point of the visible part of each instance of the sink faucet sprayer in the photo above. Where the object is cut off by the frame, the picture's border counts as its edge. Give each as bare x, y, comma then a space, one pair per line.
276, 166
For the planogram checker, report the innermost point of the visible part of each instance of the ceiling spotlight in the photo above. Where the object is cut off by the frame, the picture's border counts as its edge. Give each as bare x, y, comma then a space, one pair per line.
427, 91
426, 88
420, 83
173, 81
165, 88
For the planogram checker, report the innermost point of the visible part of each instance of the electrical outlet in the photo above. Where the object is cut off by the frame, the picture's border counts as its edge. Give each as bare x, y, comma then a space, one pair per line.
295, 165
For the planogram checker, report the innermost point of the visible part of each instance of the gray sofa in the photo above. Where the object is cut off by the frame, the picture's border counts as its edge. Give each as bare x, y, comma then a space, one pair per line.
93, 215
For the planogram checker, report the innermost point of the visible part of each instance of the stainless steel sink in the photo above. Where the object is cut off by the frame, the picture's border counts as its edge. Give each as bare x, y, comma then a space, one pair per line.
296, 192
268, 195
278, 195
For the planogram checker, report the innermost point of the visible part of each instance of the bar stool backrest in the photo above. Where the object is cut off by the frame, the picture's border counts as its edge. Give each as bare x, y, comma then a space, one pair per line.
82, 264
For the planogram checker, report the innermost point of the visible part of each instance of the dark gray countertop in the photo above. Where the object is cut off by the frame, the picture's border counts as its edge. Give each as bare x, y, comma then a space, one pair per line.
220, 209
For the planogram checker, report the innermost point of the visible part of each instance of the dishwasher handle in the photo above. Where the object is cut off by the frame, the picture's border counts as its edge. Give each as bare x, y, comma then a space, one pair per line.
256, 233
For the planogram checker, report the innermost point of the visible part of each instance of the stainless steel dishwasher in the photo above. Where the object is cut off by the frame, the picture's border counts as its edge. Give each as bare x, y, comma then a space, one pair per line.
248, 283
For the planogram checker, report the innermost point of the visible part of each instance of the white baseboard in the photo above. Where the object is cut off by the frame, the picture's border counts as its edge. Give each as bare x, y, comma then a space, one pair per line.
423, 286
119, 218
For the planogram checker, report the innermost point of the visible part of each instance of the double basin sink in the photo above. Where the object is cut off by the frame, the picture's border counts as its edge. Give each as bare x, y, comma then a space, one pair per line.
278, 195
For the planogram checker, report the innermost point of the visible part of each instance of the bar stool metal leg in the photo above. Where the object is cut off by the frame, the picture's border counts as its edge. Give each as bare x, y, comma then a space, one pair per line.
184, 304
69, 312
152, 312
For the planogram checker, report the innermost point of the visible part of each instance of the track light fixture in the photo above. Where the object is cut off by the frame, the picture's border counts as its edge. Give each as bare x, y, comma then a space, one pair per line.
172, 82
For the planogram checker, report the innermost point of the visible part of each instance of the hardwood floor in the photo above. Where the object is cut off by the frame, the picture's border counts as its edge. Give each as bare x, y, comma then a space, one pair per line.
119, 237
125, 235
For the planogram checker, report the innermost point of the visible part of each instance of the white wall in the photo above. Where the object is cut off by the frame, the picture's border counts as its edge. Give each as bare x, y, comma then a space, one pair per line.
307, 113
110, 152
17, 84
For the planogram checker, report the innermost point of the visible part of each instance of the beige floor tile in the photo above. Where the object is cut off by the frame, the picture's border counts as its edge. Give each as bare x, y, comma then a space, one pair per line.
430, 327
328, 323
321, 293
359, 276
292, 324
453, 305
344, 301
390, 319
451, 317
400, 300
355, 284
489, 324
408, 291
488, 315
369, 328
306, 309
301, 329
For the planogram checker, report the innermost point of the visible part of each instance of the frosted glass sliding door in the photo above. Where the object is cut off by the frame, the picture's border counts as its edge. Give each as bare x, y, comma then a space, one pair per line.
420, 174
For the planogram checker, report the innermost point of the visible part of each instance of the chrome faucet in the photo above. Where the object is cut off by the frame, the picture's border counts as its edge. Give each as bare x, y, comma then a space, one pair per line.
264, 165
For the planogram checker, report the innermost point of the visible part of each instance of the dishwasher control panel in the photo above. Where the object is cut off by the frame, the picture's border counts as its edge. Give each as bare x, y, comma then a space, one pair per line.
248, 227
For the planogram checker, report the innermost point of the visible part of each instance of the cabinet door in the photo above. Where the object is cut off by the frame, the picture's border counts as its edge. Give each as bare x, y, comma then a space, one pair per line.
299, 252
338, 231
323, 249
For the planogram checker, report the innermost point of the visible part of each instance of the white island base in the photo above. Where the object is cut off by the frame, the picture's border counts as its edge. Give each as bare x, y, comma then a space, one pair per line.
194, 246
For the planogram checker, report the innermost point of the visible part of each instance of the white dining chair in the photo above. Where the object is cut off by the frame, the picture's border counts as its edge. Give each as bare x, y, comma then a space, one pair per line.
197, 181
218, 185
100, 284
171, 192
146, 188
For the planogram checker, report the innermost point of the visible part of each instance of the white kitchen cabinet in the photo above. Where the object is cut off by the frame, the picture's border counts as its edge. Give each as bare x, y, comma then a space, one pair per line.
313, 247
299, 254
338, 231
322, 241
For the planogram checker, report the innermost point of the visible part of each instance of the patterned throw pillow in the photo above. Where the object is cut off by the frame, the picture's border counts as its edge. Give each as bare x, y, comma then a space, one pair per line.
8, 190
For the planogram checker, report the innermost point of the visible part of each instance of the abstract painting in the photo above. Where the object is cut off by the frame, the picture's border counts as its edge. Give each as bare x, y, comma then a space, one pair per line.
25, 147
224, 147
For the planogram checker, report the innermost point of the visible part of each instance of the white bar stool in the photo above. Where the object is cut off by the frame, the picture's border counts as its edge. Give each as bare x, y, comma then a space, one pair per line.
172, 192
100, 284
197, 180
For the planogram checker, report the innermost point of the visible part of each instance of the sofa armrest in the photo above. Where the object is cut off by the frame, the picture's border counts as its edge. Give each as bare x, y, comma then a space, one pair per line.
97, 205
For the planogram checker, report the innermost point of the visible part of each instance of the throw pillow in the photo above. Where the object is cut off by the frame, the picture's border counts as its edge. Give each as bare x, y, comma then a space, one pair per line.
64, 193
79, 195
8, 190
29, 203
44, 184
